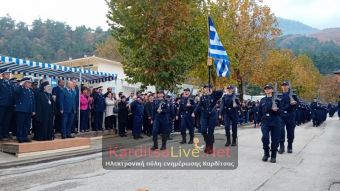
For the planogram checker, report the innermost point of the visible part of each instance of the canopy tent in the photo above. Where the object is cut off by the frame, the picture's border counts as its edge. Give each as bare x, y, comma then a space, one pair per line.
28, 67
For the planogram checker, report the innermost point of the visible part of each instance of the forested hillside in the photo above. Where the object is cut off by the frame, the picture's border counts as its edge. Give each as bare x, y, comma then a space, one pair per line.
47, 41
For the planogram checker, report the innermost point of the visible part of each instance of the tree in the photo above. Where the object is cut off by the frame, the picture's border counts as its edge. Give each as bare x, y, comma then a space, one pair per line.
159, 40
246, 29
329, 88
280, 65
109, 49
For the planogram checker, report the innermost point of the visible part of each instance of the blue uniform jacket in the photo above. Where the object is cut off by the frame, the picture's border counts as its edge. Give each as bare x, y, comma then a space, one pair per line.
165, 109
285, 107
25, 101
227, 105
137, 108
207, 103
99, 102
266, 115
6, 93
67, 101
183, 108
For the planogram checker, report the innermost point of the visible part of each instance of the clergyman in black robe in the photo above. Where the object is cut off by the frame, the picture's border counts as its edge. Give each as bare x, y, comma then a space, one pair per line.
44, 114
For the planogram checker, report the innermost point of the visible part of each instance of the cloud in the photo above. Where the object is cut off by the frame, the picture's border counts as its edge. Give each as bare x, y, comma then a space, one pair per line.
316, 13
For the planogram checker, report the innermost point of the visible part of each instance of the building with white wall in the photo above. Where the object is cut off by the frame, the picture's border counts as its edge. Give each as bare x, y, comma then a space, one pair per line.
104, 65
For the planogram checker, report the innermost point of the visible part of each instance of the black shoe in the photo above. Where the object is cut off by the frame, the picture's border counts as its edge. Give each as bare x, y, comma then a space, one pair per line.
170, 138
125, 135
27, 141
69, 136
163, 148
154, 148
135, 138
63, 137
121, 135
265, 158
227, 144
281, 150
140, 137
184, 139
233, 144
289, 150
20, 141
191, 141
273, 160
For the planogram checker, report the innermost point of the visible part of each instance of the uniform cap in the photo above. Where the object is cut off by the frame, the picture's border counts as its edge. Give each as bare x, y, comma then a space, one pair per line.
5, 70
285, 83
268, 86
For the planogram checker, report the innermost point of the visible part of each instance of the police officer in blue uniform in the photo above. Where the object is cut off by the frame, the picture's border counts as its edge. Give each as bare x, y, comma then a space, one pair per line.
186, 108
160, 120
6, 103
137, 109
288, 106
229, 107
208, 115
67, 109
270, 123
315, 107
24, 108
98, 109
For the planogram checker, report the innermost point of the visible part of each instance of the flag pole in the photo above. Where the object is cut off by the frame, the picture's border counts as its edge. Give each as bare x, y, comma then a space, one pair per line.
209, 61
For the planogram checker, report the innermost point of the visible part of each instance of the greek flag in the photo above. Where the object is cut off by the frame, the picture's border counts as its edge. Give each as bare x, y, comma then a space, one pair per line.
218, 52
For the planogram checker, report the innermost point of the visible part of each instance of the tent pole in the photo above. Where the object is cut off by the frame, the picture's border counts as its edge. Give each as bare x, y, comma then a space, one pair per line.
79, 89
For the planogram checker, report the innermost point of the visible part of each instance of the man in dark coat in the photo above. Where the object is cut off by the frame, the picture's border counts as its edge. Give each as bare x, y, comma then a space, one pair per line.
56, 93
123, 112
44, 113
67, 109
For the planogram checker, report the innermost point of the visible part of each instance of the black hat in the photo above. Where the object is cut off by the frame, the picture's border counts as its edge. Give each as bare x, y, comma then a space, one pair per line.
268, 86
160, 92
186, 90
230, 87
207, 85
35, 83
100, 87
42, 85
285, 83
4, 70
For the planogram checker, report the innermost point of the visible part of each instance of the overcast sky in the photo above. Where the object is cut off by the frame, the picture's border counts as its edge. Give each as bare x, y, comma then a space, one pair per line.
92, 13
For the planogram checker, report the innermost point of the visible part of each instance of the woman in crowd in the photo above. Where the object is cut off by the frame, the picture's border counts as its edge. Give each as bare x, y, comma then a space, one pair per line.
110, 104
44, 113
84, 110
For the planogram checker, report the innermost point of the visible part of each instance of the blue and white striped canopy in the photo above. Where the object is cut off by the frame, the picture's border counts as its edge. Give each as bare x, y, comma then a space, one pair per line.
28, 67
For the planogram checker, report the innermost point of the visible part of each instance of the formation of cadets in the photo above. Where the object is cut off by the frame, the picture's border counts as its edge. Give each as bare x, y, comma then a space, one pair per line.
25, 108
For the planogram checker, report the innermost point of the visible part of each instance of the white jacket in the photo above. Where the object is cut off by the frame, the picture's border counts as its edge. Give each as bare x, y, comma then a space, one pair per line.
110, 104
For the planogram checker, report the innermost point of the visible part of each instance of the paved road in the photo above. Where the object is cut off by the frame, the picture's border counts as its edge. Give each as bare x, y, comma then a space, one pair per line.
314, 165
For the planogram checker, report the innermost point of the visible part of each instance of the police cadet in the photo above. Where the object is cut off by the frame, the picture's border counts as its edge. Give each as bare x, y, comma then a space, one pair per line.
315, 106
6, 103
186, 107
160, 120
24, 108
270, 123
208, 115
229, 107
288, 106
137, 109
